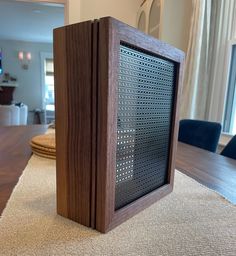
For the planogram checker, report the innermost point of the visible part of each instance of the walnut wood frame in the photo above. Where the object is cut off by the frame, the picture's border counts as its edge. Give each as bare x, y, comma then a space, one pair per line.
111, 34
86, 119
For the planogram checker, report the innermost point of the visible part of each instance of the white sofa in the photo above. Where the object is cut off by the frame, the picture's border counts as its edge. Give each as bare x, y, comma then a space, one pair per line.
13, 115
23, 114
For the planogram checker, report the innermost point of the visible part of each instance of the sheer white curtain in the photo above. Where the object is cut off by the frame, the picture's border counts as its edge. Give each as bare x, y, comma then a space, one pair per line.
204, 83
223, 18
195, 87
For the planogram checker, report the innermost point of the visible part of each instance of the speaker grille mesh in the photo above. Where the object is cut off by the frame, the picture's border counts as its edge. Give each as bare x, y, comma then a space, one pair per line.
145, 102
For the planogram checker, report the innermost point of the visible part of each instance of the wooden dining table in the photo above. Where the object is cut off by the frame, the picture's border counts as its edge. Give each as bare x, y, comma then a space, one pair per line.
15, 151
212, 170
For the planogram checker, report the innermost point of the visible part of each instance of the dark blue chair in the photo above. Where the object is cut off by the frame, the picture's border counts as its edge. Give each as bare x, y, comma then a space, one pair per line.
230, 149
202, 134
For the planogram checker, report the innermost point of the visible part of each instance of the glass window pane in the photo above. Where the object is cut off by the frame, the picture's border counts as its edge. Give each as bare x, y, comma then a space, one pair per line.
49, 89
1, 71
230, 110
49, 65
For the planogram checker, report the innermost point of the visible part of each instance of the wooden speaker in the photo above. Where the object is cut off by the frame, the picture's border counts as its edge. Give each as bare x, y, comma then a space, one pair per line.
117, 93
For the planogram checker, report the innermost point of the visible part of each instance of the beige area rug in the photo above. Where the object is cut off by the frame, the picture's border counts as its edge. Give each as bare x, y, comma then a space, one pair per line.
191, 221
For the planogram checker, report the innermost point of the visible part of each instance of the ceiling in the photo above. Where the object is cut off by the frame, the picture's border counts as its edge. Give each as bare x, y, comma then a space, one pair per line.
32, 22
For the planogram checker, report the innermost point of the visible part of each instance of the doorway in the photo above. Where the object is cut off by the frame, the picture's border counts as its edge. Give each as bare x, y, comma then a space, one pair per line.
23, 42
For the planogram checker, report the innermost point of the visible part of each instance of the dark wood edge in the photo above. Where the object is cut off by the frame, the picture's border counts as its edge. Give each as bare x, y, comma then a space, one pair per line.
113, 32
59, 35
146, 42
102, 201
175, 121
94, 121
107, 118
139, 205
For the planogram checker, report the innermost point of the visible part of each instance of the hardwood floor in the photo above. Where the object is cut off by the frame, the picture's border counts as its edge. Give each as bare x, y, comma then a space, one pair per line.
15, 152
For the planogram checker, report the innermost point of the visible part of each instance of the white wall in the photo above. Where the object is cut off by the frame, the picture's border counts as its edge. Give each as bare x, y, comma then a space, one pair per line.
124, 10
176, 22
29, 90
74, 9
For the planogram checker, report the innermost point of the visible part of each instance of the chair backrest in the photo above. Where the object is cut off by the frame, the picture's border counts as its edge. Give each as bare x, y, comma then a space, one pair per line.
202, 134
230, 149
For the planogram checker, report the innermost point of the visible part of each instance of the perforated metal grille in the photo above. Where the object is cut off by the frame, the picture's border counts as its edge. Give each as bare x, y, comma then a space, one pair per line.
145, 101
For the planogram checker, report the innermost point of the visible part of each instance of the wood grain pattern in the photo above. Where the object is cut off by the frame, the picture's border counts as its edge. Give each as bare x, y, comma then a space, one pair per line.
15, 152
73, 73
61, 118
111, 34
175, 120
106, 133
94, 107
212, 170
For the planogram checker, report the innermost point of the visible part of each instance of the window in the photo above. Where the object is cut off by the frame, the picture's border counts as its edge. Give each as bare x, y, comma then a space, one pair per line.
230, 106
149, 18
49, 85
142, 22
154, 19
1, 62
47, 74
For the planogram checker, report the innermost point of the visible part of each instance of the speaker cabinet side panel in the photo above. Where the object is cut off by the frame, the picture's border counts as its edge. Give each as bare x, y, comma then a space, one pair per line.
73, 85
